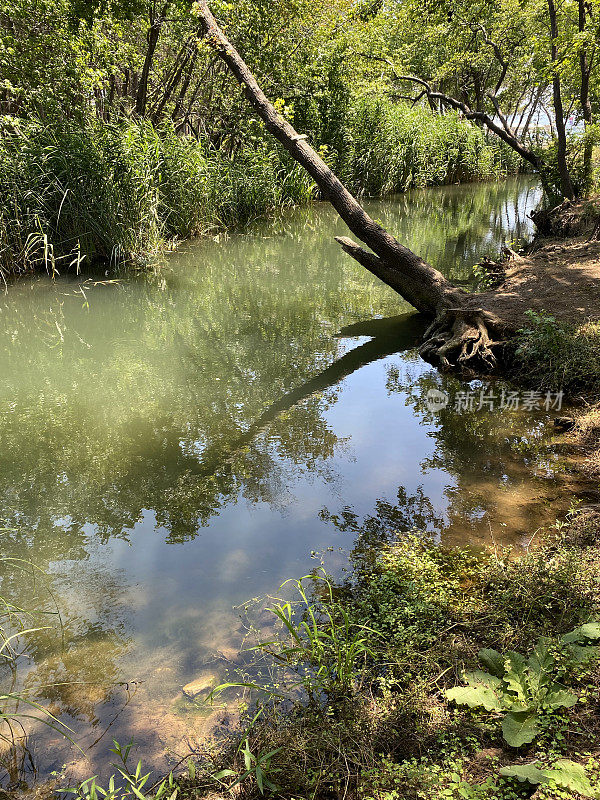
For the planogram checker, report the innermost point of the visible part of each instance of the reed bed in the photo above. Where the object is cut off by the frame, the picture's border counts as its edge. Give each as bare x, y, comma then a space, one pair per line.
119, 193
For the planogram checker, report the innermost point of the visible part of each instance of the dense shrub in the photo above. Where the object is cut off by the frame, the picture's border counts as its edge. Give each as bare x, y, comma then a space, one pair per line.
549, 355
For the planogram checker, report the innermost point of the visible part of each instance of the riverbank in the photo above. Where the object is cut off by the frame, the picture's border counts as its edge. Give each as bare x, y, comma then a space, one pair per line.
122, 193
551, 299
383, 659
446, 673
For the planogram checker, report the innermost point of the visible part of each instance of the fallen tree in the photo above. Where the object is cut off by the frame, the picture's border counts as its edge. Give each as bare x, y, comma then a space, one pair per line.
465, 327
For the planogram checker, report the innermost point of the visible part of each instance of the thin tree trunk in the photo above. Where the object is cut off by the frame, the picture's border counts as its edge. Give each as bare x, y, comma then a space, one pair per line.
586, 105
177, 111
156, 23
566, 184
181, 62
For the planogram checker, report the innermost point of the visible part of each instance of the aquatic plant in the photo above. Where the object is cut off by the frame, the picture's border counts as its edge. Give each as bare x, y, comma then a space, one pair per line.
118, 193
390, 147
16, 705
128, 783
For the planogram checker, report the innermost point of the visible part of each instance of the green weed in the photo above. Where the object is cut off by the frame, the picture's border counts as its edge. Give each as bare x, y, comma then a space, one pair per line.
554, 356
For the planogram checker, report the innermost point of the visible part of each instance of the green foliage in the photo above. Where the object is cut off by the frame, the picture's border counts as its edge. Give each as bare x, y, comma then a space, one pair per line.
71, 194
551, 355
413, 590
129, 785
390, 147
526, 690
324, 638
426, 780
118, 192
258, 767
564, 773
322, 648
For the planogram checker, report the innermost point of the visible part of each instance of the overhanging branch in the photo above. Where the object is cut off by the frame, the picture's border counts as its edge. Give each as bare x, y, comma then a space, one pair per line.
501, 131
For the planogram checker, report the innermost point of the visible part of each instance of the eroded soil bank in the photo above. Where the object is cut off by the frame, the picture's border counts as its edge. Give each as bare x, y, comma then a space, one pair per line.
561, 272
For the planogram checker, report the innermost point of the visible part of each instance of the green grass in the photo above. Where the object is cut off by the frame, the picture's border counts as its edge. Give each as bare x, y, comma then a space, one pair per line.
16, 626
391, 147
550, 355
118, 193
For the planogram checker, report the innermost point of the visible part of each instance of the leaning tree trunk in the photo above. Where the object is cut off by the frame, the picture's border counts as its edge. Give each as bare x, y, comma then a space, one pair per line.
459, 331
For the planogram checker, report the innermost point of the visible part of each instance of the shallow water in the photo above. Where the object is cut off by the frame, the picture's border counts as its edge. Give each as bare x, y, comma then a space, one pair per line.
172, 446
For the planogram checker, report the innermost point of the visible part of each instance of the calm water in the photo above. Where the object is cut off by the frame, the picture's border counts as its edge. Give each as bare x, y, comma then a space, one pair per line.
173, 446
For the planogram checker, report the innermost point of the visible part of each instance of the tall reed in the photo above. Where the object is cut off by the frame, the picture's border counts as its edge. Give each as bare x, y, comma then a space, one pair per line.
118, 192
391, 147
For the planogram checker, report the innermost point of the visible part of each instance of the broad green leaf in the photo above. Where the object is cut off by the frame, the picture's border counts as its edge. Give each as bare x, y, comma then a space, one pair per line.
525, 772
493, 661
516, 682
520, 727
559, 698
541, 663
581, 654
224, 773
571, 776
480, 678
475, 697
590, 630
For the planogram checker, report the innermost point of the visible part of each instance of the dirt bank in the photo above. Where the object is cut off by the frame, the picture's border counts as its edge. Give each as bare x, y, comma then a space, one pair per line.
561, 277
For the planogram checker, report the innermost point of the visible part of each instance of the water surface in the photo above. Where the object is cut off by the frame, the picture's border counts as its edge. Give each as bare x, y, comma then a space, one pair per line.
173, 445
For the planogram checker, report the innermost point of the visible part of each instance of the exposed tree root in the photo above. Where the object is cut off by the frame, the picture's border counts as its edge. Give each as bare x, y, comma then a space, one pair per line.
460, 333
458, 336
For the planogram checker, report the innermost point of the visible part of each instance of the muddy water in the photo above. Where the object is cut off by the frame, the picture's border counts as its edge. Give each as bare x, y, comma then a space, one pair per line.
174, 445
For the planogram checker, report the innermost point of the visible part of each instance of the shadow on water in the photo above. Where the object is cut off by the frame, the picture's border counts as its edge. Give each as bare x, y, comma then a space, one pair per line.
172, 445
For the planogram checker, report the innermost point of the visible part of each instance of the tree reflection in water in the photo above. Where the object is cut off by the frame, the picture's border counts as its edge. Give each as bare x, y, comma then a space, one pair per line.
166, 443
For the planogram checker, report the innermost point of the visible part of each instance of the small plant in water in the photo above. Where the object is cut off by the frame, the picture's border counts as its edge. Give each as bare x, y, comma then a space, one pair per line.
524, 690
324, 652
129, 785
14, 630
322, 648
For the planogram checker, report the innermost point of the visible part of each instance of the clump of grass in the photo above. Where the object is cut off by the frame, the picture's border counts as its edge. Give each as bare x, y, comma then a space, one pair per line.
17, 706
550, 355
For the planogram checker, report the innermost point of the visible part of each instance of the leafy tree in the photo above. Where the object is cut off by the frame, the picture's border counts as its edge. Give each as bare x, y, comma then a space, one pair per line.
514, 67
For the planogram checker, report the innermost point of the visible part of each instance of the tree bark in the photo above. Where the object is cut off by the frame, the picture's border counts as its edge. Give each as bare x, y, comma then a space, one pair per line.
156, 22
585, 66
458, 327
566, 184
